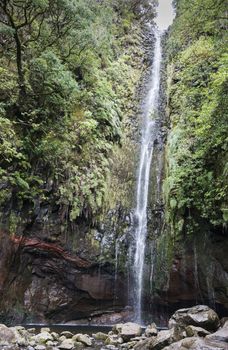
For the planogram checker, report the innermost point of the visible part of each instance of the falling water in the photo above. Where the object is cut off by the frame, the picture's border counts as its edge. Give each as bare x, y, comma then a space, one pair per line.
149, 135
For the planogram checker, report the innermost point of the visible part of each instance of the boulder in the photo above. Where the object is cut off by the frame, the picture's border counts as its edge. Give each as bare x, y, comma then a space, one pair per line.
128, 330
114, 340
6, 335
193, 331
42, 337
221, 334
163, 339
83, 338
67, 344
200, 316
100, 336
196, 343
78, 345
151, 330
40, 347
67, 334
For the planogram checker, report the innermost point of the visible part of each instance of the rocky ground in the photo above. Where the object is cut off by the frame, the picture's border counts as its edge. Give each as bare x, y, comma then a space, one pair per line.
196, 328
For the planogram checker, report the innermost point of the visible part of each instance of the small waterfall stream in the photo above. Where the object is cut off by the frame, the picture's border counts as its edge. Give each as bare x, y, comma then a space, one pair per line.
149, 134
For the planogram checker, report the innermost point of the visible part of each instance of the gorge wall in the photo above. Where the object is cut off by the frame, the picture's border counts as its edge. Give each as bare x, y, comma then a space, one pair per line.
68, 175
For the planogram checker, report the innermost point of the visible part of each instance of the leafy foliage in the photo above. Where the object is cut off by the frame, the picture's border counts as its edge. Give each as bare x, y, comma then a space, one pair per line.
66, 73
196, 186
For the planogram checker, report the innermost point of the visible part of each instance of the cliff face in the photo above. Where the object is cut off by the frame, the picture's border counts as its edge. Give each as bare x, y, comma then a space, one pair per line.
191, 264
57, 268
68, 185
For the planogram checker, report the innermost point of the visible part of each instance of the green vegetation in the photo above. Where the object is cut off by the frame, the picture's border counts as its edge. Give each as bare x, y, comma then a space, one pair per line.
196, 185
66, 71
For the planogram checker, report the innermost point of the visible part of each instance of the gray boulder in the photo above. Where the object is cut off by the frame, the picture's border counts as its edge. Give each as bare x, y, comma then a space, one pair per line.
67, 344
193, 331
151, 330
128, 330
196, 343
83, 338
221, 335
163, 339
6, 335
200, 316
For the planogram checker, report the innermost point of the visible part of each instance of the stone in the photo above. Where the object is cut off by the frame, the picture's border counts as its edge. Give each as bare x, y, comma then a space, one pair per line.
67, 344
114, 340
151, 330
200, 316
163, 339
30, 347
50, 343
131, 344
42, 337
45, 329
83, 338
111, 347
55, 335
31, 330
40, 347
128, 330
67, 334
143, 344
62, 338
100, 336
6, 335
223, 321
221, 335
193, 331
78, 345
196, 343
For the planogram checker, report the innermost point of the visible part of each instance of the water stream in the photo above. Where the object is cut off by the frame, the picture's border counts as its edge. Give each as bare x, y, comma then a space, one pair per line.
149, 135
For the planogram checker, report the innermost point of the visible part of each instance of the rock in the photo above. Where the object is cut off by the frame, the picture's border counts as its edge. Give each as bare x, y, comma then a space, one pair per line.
30, 348
78, 345
22, 342
221, 335
67, 344
50, 343
193, 331
62, 338
196, 343
55, 335
131, 344
40, 347
100, 336
128, 330
45, 329
111, 347
142, 345
163, 339
223, 321
114, 340
151, 330
6, 335
31, 330
67, 334
42, 337
83, 338
200, 316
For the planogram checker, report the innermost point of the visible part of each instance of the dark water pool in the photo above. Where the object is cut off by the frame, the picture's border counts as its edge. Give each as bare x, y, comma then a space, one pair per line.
58, 328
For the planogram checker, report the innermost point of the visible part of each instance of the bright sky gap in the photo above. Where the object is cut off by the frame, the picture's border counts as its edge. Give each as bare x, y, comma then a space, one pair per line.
165, 14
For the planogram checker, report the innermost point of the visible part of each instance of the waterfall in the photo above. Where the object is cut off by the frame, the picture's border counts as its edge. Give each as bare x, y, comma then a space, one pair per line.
149, 135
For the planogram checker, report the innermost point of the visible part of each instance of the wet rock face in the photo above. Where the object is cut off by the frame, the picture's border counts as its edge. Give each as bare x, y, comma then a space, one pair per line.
53, 285
194, 269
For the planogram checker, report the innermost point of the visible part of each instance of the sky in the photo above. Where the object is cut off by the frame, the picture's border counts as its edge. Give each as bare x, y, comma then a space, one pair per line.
165, 14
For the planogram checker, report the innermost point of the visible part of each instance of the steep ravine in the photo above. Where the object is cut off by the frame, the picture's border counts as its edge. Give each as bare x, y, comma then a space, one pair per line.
54, 269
